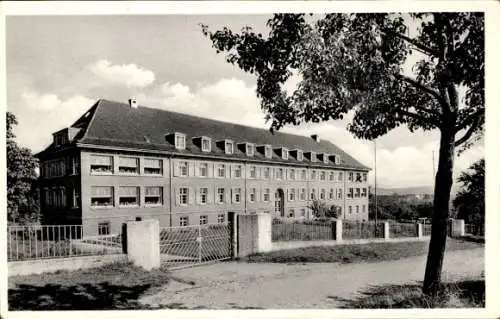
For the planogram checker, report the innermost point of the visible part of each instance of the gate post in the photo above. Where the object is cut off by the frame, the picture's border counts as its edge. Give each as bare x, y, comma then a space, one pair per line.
143, 243
232, 219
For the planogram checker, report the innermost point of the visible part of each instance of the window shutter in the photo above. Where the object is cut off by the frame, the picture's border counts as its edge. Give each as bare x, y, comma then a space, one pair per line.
191, 195
176, 168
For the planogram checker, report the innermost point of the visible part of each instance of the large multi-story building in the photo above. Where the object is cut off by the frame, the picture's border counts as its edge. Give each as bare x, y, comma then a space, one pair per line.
121, 161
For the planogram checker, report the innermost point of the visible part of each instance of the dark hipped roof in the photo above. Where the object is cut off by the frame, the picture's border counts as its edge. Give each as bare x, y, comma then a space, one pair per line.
119, 125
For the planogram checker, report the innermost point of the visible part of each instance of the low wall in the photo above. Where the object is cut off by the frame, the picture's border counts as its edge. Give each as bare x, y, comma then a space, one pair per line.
28, 267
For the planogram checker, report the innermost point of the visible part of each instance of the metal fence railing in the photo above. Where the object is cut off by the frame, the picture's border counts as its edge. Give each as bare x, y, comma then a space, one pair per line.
474, 229
398, 230
196, 244
362, 230
426, 231
286, 230
29, 242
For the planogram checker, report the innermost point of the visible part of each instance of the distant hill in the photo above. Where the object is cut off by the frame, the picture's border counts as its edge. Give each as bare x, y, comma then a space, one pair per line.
417, 190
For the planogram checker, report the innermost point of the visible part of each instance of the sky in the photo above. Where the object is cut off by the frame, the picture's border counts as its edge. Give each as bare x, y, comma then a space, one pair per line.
58, 66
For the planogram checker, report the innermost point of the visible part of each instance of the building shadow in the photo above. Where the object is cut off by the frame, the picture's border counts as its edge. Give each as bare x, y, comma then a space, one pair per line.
463, 294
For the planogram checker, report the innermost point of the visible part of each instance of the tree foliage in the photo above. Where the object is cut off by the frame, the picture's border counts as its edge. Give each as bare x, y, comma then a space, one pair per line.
469, 202
399, 207
321, 210
358, 63
21, 179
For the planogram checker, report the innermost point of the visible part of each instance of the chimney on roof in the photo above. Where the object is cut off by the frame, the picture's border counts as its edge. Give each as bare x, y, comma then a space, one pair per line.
315, 137
133, 102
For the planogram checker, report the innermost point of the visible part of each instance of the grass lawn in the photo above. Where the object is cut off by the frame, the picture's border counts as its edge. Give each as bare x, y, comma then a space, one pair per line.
460, 294
357, 253
113, 286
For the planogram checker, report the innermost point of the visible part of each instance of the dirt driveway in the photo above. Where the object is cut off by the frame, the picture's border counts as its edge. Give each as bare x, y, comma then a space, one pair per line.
273, 286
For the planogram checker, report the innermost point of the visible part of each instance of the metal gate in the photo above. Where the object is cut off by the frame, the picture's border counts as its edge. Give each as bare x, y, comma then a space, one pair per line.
185, 246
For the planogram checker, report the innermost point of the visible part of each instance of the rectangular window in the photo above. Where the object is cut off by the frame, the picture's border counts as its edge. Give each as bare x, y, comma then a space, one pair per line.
180, 141
250, 149
268, 151
237, 195
206, 145
253, 172
253, 194
323, 175
313, 156
103, 229
313, 175
339, 193
350, 209
183, 221
358, 193
153, 195
300, 156
101, 196
291, 213
291, 194
101, 164
62, 191
292, 174
364, 208
203, 219
221, 170
303, 175
128, 165
76, 198
266, 172
279, 173
284, 153
303, 194
357, 209
128, 196
267, 194
325, 158
351, 193
203, 169
341, 176
363, 194
322, 195
203, 195
332, 176
237, 171
221, 195
183, 195
302, 212
229, 147
365, 177
48, 200
75, 165
331, 194
153, 166
221, 218
183, 168
313, 194
351, 177
358, 177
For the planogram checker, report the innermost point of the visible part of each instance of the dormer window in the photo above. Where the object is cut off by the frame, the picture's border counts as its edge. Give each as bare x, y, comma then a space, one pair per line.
180, 141
206, 144
284, 153
228, 147
268, 151
335, 159
325, 158
250, 149
313, 157
61, 138
300, 155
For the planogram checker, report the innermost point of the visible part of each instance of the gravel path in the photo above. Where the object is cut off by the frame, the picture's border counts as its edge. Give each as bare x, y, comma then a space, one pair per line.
273, 286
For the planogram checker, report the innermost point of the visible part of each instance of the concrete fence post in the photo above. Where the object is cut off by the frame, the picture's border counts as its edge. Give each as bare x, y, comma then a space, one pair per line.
420, 230
337, 230
232, 219
386, 230
143, 243
457, 228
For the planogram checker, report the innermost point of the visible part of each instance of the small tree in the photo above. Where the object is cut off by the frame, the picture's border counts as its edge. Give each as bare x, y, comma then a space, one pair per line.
469, 202
355, 63
319, 209
21, 180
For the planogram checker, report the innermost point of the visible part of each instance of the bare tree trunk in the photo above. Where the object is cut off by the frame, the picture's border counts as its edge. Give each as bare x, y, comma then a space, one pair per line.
442, 190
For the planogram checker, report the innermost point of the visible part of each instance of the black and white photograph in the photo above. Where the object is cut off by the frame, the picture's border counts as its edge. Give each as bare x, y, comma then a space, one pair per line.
300, 156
